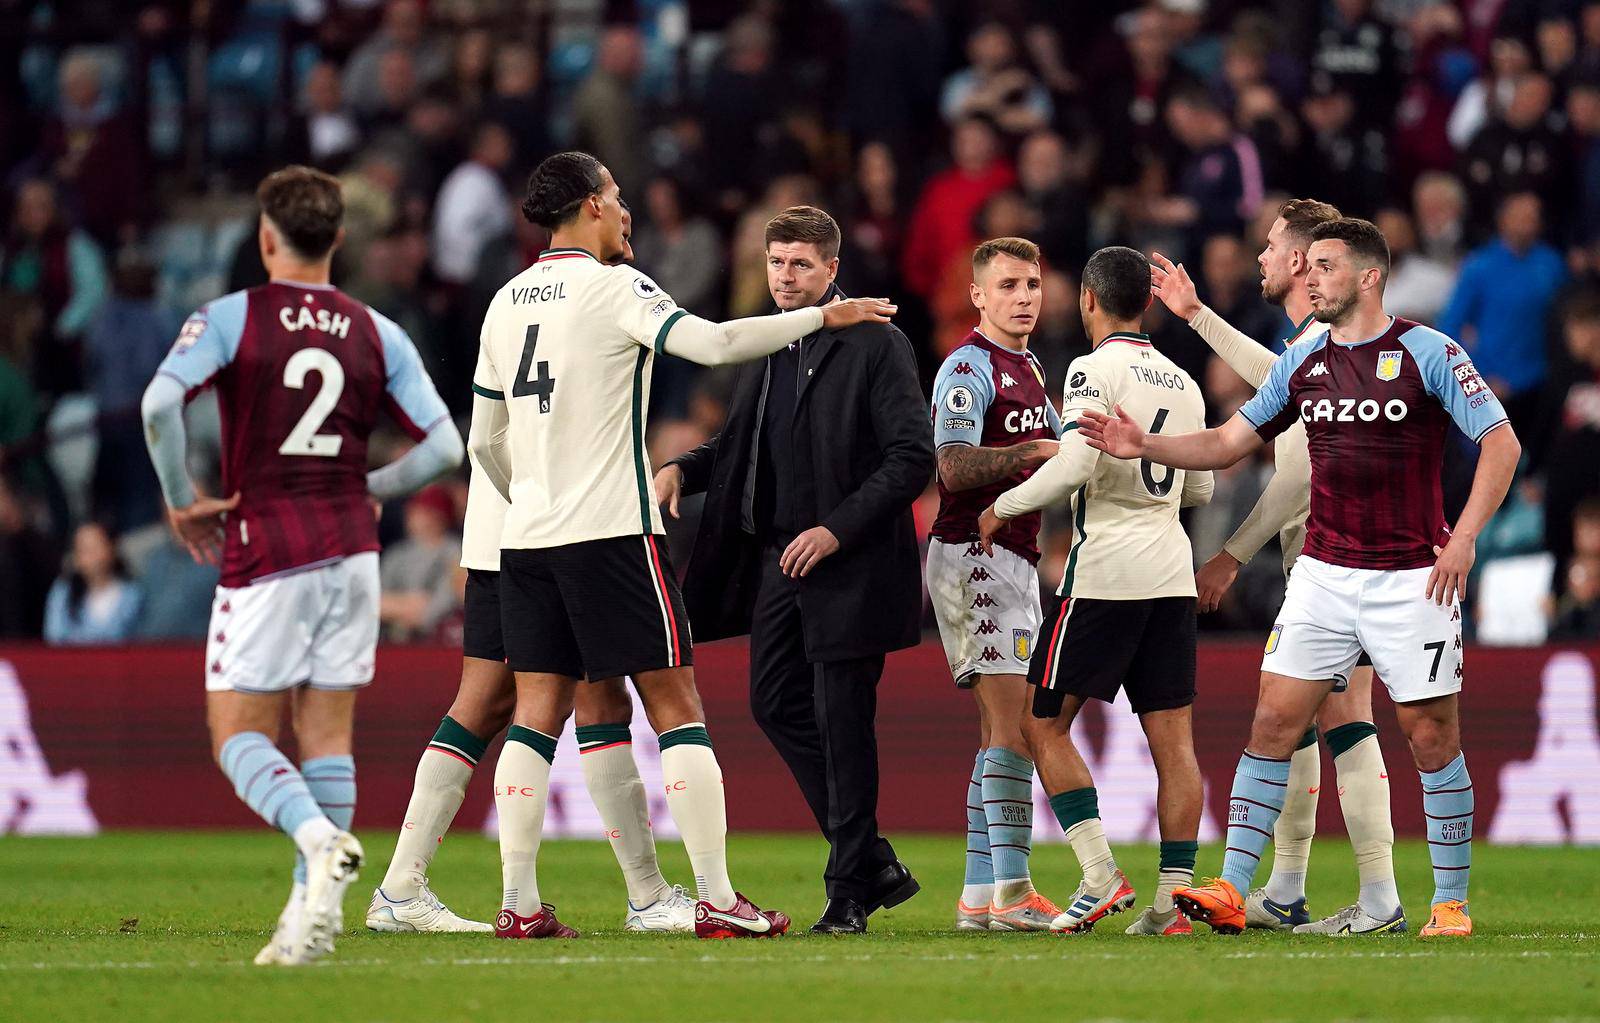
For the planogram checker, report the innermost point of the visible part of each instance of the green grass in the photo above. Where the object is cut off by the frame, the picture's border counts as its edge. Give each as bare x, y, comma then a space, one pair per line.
204, 903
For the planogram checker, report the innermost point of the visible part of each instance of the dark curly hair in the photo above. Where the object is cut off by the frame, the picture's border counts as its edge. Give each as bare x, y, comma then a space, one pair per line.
558, 186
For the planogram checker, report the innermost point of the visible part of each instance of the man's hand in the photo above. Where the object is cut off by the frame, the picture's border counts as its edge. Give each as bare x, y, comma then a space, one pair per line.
988, 525
199, 526
1171, 284
669, 486
1041, 451
847, 312
1119, 437
805, 550
1213, 580
1447, 583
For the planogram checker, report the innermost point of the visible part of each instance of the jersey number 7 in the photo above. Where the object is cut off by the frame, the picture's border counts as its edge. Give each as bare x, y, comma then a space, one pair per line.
542, 385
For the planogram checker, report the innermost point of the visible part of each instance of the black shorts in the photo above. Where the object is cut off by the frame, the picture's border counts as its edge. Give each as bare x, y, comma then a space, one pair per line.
480, 629
1091, 648
601, 608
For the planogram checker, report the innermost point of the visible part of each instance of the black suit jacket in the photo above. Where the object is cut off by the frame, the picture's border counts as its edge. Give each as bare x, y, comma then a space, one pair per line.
863, 454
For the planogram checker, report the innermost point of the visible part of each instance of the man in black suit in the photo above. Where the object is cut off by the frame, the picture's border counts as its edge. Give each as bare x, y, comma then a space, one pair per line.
806, 543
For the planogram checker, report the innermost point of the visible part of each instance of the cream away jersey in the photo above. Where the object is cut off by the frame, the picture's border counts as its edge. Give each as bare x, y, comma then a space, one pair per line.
569, 345
1127, 543
484, 522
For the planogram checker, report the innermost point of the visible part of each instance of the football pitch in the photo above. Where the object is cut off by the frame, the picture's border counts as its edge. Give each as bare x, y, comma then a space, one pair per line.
162, 926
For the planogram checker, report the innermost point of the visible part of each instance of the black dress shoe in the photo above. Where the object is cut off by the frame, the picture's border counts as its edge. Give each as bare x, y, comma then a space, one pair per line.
841, 916
891, 886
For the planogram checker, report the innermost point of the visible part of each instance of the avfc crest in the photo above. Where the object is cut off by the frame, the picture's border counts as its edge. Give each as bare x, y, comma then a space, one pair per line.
1021, 643
1389, 364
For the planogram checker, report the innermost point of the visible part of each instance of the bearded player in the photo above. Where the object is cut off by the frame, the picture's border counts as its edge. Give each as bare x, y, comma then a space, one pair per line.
302, 374
1380, 571
993, 424
1346, 717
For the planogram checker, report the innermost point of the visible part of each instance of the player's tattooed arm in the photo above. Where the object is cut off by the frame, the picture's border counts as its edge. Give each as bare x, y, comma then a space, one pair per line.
963, 467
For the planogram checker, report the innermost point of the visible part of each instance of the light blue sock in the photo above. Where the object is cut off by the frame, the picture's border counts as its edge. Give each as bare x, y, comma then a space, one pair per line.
266, 781
1447, 804
332, 781
1008, 810
1259, 787
980, 865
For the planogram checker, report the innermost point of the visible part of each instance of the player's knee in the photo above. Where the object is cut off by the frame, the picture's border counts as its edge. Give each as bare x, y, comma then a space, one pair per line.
1433, 744
1275, 731
604, 703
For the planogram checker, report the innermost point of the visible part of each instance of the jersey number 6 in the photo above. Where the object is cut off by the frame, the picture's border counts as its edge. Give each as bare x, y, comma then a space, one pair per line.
544, 384
1157, 487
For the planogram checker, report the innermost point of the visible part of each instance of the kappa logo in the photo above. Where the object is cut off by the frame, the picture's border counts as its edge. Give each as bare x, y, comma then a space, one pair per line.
986, 628
975, 548
963, 367
983, 600
979, 575
989, 654
1319, 370
34, 800
1451, 350
1006, 381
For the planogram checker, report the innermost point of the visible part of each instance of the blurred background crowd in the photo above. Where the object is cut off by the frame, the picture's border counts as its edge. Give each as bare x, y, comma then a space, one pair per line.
132, 133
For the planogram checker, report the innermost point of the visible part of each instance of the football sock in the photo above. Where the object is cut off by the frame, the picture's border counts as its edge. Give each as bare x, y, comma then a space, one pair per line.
441, 784
1078, 811
1008, 812
1177, 871
695, 798
1447, 803
1259, 784
332, 781
606, 753
1291, 836
263, 777
521, 789
1364, 800
978, 888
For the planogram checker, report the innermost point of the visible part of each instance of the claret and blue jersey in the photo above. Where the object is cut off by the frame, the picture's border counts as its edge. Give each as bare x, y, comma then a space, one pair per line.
1376, 414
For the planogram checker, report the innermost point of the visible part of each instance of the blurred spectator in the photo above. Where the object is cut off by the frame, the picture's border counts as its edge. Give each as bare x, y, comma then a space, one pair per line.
94, 601
1577, 613
94, 151
418, 572
1219, 185
1570, 452
1349, 157
328, 130
395, 91
1500, 309
1359, 51
739, 111
122, 350
472, 68
941, 223
747, 260
404, 31
1583, 113
1418, 285
473, 205
893, 85
519, 102
1004, 215
678, 248
1442, 65
178, 591
1439, 204
1557, 39
1052, 179
1193, 47
873, 225
1517, 152
52, 283
1133, 99
28, 563
605, 111
1487, 96
371, 206
996, 86
391, 281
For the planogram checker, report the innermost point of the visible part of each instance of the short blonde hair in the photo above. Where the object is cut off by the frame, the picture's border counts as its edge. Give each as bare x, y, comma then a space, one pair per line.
1017, 248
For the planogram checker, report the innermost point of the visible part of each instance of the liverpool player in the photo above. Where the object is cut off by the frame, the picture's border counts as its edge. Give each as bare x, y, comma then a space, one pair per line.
993, 423
302, 373
1380, 571
1345, 717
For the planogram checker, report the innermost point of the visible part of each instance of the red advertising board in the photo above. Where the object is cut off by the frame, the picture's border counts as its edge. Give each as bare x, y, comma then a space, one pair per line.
115, 738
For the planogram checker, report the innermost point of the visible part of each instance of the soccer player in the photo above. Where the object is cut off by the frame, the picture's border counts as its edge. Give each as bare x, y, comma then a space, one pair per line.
1380, 572
1345, 717
482, 709
1124, 615
302, 372
993, 424
586, 589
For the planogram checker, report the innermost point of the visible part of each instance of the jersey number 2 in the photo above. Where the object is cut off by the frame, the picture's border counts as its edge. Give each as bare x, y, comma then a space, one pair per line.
542, 385
304, 438
1157, 487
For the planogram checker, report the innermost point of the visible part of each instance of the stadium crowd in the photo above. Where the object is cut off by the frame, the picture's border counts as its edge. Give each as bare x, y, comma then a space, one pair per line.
131, 134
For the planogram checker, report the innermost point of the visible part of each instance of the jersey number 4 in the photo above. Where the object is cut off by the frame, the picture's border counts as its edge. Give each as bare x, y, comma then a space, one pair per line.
543, 385
1163, 486
304, 438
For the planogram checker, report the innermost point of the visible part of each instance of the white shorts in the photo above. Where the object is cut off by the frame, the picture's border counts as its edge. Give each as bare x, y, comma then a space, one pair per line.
317, 627
987, 607
1331, 614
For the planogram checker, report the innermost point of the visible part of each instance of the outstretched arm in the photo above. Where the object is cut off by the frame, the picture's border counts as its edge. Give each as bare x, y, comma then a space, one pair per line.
715, 344
1170, 283
1121, 437
963, 466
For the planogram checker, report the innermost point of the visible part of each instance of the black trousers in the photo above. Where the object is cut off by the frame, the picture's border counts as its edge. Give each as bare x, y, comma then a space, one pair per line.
820, 717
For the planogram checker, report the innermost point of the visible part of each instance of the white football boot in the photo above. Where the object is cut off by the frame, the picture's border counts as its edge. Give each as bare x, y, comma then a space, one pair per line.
673, 913
329, 871
422, 913
1352, 920
287, 933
